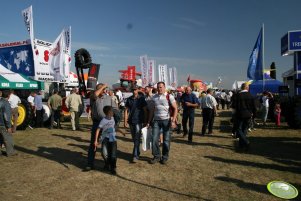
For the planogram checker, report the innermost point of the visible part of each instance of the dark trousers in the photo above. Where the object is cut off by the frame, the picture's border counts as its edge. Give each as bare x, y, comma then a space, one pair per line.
39, 118
188, 114
55, 116
91, 152
136, 136
109, 153
242, 130
208, 119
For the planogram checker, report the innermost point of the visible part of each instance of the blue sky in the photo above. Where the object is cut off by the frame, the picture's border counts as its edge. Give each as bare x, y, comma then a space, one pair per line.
205, 39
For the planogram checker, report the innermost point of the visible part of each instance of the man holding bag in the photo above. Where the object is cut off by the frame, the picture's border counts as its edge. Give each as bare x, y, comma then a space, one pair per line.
135, 108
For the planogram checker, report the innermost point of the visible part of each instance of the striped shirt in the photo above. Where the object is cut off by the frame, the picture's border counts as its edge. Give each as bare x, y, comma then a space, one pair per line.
162, 106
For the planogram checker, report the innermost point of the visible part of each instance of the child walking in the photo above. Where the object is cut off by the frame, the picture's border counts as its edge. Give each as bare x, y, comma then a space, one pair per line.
108, 140
277, 113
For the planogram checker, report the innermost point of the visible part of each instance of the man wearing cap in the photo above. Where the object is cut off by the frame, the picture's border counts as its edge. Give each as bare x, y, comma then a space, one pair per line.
135, 116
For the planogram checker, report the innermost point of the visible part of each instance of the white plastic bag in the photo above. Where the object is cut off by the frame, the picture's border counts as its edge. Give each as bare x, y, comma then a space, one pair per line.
146, 138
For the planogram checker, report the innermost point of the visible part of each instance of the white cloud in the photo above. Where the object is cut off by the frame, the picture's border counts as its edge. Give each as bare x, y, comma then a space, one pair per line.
193, 21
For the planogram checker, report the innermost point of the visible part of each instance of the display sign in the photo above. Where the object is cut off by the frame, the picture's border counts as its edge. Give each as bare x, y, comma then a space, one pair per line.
291, 42
17, 57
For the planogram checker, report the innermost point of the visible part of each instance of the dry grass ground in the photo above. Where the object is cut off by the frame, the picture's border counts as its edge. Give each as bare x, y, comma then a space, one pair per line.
49, 166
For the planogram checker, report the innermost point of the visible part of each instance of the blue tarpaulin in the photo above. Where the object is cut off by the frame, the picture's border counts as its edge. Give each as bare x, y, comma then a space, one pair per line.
258, 86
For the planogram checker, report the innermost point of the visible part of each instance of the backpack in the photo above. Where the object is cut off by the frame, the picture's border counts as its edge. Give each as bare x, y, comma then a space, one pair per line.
171, 109
260, 100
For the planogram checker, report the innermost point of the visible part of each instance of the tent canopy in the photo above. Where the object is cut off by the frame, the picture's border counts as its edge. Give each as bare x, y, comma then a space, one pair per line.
11, 80
259, 86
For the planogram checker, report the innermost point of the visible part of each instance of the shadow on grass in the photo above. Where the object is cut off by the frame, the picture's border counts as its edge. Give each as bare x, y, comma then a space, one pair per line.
183, 141
162, 189
296, 170
78, 139
245, 185
62, 156
284, 150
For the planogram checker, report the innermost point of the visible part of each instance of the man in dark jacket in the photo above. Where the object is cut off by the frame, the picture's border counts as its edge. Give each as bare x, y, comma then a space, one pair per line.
244, 110
5, 124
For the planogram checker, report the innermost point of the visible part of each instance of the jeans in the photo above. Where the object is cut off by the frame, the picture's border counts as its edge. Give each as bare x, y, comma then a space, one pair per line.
208, 119
109, 153
188, 114
242, 130
91, 152
136, 136
8, 140
157, 126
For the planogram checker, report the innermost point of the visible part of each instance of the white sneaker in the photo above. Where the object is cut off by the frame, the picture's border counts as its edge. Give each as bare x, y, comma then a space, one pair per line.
249, 130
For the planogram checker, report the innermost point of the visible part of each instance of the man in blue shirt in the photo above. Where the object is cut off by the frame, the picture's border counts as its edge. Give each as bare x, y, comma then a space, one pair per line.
189, 103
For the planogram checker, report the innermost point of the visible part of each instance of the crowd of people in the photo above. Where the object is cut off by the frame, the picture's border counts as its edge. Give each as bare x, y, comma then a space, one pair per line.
156, 108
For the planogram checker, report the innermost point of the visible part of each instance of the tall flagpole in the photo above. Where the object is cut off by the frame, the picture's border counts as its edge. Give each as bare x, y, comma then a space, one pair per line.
263, 65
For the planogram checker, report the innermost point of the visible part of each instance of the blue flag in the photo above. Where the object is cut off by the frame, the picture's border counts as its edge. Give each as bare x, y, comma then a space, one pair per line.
255, 69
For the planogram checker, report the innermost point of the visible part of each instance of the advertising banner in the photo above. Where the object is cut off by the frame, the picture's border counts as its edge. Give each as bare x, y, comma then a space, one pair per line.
28, 20
42, 56
151, 71
132, 73
57, 57
144, 70
163, 75
17, 57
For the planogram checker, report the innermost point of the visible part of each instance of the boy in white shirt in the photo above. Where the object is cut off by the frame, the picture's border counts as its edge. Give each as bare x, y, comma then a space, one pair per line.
108, 139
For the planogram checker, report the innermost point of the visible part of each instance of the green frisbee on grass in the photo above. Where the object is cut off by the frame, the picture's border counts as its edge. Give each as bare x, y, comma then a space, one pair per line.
282, 189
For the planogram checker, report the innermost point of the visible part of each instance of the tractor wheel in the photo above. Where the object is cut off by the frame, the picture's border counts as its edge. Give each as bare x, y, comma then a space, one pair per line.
82, 58
25, 115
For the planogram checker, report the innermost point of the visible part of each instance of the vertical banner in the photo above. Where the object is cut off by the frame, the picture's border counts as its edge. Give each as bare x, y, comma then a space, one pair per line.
144, 70
170, 75
163, 77
151, 71
175, 77
57, 57
28, 20
132, 73
67, 52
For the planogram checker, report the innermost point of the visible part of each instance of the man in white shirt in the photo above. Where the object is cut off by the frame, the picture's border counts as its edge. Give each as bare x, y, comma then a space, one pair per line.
208, 105
14, 100
162, 119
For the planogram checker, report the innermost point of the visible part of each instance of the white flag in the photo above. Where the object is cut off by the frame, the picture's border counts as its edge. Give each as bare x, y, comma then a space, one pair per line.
144, 73
175, 77
151, 71
57, 57
28, 20
170, 73
67, 52
163, 77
